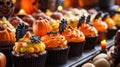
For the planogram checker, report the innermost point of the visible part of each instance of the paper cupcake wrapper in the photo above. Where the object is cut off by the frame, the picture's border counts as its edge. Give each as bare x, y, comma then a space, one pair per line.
118, 27
5, 44
7, 52
57, 56
76, 49
29, 61
90, 42
111, 33
101, 36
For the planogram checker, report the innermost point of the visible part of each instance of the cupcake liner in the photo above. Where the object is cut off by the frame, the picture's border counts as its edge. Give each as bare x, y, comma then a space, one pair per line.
90, 42
57, 56
7, 52
101, 36
111, 33
118, 27
26, 61
76, 49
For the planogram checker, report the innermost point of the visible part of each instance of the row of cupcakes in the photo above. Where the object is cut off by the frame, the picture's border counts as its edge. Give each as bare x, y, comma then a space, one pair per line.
110, 25
30, 44
42, 26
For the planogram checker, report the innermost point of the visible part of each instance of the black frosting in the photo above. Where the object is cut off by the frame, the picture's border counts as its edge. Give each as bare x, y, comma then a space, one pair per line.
81, 20
105, 15
21, 31
62, 25
98, 15
88, 19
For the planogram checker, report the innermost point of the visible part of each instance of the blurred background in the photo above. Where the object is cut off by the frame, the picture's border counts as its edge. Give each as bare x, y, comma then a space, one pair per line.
66, 4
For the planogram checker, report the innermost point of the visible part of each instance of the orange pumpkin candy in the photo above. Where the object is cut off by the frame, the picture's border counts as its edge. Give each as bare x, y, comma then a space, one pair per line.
2, 60
41, 27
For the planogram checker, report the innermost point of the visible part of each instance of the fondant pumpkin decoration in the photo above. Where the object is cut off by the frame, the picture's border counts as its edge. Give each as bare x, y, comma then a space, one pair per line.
6, 8
41, 27
7, 36
2, 60
29, 5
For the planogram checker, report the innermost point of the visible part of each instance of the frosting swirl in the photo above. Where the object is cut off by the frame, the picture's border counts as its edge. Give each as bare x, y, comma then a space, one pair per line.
99, 25
54, 41
88, 30
109, 22
73, 35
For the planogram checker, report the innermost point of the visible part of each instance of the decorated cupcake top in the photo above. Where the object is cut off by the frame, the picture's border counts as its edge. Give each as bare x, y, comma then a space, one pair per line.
29, 44
6, 23
73, 35
116, 17
87, 28
54, 40
99, 24
108, 20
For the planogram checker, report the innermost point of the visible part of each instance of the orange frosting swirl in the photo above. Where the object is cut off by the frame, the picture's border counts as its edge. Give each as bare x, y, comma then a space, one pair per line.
110, 22
73, 35
100, 25
54, 41
88, 30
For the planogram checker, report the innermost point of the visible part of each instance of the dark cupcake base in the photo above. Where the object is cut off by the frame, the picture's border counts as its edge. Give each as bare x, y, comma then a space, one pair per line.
111, 33
7, 52
57, 56
76, 49
29, 60
101, 36
118, 27
90, 42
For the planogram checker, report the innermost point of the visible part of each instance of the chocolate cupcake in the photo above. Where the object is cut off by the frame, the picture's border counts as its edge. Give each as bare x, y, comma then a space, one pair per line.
89, 31
100, 26
57, 16
116, 17
7, 39
37, 14
75, 38
76, 41
16, 20
111, 26
56, 46
29, 19
29, 51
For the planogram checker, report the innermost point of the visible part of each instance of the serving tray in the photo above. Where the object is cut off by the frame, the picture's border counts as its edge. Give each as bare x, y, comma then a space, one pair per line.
87, 55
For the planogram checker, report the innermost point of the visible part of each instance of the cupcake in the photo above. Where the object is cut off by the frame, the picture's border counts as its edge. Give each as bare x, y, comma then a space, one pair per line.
111, 25
29, 51
16, 20
29, 19
76, 41
7, 39
54, 24
89, 31
116, 17
56, 46
72, 17
75, 38
56, 15
37, 14
100, 26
